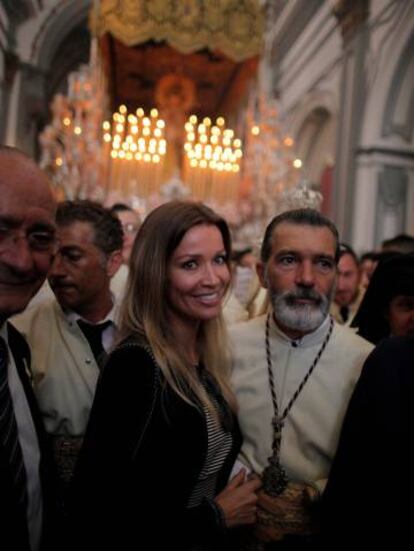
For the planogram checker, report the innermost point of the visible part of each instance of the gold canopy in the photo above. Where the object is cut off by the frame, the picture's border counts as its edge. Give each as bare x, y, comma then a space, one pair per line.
234, 27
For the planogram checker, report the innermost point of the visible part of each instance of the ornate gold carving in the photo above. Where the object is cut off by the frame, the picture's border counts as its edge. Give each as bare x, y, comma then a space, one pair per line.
234, 27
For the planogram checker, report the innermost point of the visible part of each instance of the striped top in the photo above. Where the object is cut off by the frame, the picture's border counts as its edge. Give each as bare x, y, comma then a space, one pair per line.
220, 441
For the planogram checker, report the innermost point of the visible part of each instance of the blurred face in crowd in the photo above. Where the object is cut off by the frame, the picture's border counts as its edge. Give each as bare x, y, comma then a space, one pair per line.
367, 268
300, 275
401, 316
130, 225
198, 276
348, 280
27, 232
248, 260
81, 272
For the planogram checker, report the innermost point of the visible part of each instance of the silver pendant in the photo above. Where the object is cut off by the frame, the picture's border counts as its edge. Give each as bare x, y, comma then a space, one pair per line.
274, 477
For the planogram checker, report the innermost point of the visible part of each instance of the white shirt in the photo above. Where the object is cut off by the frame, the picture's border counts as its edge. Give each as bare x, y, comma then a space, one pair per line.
108, 334
30, 449
119, 283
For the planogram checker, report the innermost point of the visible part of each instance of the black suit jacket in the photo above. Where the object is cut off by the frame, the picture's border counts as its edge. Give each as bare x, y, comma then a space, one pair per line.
370, 490
13, 521
142, 454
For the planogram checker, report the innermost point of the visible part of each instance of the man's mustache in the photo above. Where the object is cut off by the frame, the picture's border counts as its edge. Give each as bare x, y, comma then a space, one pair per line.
303, 294
58, 283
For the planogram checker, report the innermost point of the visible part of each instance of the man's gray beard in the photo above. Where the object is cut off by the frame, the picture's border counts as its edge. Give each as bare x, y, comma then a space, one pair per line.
300, 317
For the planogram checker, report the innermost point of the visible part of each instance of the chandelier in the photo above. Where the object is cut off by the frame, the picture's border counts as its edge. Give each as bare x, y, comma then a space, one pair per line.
134, 149
272, 161
272, 170
212, 159
71, 152
124, 158
147, 158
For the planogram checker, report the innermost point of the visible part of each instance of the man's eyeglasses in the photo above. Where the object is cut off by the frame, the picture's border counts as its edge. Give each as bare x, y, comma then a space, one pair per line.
37, 240
129, 227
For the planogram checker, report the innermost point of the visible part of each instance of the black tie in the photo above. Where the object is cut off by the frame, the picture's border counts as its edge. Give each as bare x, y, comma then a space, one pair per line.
9, 439
93, 334
344, 312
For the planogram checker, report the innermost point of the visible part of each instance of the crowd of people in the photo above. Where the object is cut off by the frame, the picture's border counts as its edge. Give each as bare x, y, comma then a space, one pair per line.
148, 395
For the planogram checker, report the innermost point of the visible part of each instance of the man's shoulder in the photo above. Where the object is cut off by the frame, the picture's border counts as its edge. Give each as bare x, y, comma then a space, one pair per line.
119, 281
388, 370
43, 313
247, 329
347, 336
395, 352
129, 353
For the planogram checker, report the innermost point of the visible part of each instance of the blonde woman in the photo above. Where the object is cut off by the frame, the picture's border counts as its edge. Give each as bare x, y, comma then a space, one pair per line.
163, 434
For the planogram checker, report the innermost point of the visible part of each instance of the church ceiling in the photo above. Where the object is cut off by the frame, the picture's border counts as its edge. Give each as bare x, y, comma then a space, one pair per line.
134, 71
211, 46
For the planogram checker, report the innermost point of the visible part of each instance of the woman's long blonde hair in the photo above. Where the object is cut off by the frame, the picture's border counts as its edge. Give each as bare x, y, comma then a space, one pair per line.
143, 311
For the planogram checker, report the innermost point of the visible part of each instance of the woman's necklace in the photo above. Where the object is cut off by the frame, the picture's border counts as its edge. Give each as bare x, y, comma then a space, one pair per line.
274, 477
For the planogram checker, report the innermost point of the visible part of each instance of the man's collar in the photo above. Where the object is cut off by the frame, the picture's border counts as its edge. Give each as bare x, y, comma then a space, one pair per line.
73, 317
307, 340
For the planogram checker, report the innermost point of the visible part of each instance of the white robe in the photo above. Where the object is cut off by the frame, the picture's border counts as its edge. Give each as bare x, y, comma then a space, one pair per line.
311, 430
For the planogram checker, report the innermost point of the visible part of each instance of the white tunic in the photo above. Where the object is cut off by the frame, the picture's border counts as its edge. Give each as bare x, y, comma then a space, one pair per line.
311, 430
64, 368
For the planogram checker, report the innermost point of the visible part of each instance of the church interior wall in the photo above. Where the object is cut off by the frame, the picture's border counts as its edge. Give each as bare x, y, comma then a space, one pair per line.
308, 82
312, 75
316, 144
388, 42
308, 77
311, 63
385, 160
37, 41
47, 35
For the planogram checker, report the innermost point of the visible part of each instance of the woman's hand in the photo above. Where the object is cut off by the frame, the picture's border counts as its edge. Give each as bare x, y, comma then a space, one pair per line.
238, 500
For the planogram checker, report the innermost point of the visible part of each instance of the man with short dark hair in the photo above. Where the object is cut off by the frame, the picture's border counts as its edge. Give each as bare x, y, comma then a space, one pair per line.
294, 370
27, 244
348, 294
401, 243
71, 333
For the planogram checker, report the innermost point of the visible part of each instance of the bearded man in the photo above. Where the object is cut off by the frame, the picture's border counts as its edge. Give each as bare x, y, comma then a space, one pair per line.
294, 371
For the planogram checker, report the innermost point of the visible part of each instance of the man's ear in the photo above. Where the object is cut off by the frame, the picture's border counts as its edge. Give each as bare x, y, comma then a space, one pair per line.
113, 263
261, 273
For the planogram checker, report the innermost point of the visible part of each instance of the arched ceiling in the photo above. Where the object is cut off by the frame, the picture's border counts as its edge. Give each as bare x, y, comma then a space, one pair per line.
72, 52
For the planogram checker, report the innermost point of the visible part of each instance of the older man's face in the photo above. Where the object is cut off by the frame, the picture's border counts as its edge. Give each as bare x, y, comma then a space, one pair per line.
27, 230
130, 222
300, 275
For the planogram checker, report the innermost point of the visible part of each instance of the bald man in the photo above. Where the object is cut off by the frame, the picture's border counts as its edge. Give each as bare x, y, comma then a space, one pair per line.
27, 243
